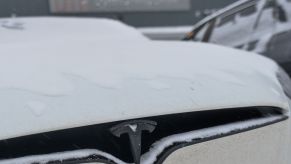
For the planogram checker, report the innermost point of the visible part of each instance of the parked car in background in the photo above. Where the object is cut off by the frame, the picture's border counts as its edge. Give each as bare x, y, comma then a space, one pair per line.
165, 33
262, 26
79, 90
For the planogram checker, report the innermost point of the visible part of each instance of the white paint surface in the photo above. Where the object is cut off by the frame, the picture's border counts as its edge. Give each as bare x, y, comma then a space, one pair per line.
160, 146
268, 145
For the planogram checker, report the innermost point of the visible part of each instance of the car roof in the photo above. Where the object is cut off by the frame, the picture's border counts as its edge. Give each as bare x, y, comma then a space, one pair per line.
47, 87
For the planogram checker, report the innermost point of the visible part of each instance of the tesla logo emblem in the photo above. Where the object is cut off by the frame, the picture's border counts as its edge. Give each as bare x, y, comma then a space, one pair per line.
134, 130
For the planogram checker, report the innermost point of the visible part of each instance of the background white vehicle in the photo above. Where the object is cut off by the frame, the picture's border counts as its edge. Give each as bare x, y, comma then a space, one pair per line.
80, 94
137, 13
166, 33
262, 26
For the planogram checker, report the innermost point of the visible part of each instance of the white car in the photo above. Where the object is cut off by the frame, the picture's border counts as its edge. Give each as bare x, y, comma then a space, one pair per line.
261, 26
78, 90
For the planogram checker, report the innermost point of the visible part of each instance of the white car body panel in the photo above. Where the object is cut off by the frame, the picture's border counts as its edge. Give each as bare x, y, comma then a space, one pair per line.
267, 145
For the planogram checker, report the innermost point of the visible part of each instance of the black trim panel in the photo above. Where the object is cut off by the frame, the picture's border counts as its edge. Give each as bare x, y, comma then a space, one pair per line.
99, 137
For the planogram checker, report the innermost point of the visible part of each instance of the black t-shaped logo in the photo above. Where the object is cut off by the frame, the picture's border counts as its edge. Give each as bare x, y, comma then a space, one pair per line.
134, 129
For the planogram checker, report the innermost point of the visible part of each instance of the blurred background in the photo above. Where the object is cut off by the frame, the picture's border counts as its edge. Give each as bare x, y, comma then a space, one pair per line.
260, 26
138, 13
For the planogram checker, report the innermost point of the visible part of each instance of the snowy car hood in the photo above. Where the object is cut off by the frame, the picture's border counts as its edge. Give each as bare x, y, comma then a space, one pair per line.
47, 87
60, 29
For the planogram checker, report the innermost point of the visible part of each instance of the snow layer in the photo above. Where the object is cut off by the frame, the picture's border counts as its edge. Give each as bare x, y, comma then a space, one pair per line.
37, 107
58, 29
51, 85
42, 159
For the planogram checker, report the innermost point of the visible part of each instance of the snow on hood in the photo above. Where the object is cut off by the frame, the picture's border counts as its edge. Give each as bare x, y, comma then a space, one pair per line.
60, 29
43, 159
47, 87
